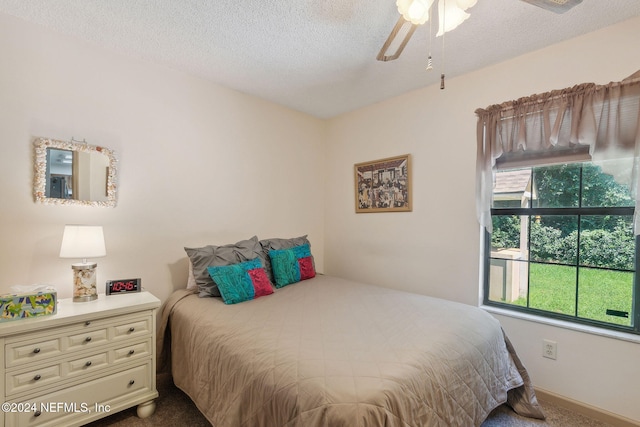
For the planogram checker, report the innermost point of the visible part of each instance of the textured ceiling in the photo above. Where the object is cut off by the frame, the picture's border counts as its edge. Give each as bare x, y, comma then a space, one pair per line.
315, 56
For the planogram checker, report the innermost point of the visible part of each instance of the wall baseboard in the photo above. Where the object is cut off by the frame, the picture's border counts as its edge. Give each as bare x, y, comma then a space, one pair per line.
585, 409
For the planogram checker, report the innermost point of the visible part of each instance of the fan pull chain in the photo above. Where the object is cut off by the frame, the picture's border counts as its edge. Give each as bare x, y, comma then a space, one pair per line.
444, 17
429, 59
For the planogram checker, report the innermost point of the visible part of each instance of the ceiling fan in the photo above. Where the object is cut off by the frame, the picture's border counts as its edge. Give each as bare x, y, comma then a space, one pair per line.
451, 13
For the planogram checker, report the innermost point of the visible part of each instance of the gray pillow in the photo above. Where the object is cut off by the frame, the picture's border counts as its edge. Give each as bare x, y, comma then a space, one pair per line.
215, 256
278, 243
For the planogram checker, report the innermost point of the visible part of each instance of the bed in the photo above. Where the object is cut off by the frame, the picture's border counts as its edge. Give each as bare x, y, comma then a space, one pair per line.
334, 352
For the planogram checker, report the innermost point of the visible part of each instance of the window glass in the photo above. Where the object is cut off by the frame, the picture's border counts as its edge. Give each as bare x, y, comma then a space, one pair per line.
554, 239
512, 188
553, 288
557, 186
510, 236
607, 241
508, 280
607, 184
605, 295
563, 244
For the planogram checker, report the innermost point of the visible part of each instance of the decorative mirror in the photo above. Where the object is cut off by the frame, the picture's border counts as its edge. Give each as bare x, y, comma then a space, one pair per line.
74, 173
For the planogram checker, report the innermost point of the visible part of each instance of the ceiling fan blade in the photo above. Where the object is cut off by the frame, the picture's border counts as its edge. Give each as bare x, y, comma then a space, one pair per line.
382, 56
557, 6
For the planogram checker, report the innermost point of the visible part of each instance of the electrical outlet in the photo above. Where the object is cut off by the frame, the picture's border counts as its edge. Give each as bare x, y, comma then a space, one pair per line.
550, 349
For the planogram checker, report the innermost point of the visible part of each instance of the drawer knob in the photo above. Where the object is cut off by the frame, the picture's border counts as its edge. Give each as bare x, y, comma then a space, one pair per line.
37, 377
131, 351
37, 414
88, 363
36, 350
132, 382
87, 339
131, 329
87, 323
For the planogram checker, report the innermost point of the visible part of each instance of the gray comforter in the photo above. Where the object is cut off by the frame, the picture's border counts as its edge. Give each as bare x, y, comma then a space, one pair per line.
332, 352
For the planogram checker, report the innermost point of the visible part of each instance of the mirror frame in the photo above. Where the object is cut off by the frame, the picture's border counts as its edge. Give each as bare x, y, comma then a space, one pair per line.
40, 179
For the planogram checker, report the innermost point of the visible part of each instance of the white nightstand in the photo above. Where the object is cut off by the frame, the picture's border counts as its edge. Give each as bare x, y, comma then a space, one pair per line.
88, 361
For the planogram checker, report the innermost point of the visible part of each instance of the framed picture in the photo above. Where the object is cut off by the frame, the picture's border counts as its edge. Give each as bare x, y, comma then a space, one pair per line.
384, 185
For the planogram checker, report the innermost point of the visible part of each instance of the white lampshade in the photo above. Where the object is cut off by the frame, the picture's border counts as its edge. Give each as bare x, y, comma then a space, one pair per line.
82, 241
415, 11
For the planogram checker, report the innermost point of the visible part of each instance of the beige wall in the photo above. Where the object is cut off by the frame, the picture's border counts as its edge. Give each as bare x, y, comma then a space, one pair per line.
202, 164
199, 164
435, 249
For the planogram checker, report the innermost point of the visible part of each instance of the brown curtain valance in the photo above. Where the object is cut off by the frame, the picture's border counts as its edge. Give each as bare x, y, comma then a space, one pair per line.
586, 121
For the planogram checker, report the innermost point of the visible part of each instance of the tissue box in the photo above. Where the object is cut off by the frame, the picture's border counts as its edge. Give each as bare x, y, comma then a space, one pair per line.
22, 306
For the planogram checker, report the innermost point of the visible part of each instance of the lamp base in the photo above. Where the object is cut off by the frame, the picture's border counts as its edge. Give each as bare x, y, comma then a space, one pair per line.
84, 282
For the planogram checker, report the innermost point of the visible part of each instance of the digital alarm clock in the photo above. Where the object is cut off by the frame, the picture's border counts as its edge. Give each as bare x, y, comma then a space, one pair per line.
123, 286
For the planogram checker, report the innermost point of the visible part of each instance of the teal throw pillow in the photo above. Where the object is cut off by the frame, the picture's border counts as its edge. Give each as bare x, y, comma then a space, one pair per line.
241, 282
292, 265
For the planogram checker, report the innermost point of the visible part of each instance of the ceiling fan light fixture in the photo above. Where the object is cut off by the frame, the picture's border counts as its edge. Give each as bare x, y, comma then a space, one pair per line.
466, 4
415, 11
451, 15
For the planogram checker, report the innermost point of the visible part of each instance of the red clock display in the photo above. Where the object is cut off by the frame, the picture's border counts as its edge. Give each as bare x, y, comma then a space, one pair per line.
123, 286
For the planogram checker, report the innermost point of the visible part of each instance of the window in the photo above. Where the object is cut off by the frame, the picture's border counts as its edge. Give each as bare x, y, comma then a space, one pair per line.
562, 240
562, 244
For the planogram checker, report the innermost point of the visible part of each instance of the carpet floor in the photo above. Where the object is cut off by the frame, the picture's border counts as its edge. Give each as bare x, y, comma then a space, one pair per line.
174, 408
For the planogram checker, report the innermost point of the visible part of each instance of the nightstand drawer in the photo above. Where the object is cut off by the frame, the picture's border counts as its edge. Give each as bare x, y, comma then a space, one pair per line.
132, 328
33, 351
132, 351
87, 364
84, 397
32, 380
87, 339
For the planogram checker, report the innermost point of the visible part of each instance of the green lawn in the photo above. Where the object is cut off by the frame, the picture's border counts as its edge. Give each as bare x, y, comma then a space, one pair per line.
552, 288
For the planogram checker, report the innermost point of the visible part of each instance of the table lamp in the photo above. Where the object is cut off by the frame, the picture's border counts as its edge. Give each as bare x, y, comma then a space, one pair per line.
83, 241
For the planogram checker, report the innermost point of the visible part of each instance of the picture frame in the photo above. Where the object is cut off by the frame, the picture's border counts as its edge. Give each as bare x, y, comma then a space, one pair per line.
383, 185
